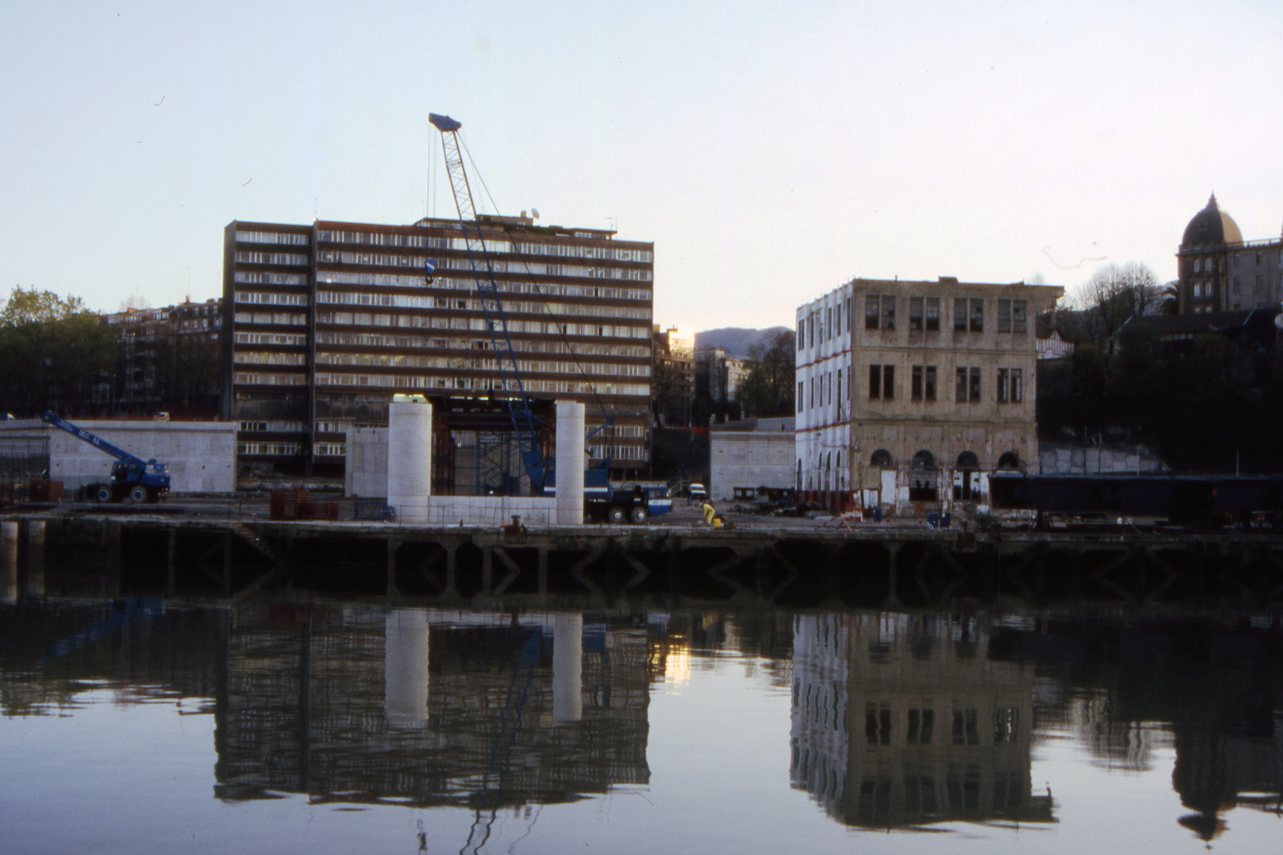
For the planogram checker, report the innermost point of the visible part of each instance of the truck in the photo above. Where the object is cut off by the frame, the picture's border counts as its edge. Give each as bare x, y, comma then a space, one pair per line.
622, 502
131, 478
619, 502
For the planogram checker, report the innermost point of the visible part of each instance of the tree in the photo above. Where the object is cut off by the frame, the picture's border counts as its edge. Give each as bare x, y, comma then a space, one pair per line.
1116, 293
29, 306
53, 353
768, 388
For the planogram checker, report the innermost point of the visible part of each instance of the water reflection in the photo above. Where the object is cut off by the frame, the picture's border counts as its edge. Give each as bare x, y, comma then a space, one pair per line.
1212, 690
900, 720
428, 707
894, 720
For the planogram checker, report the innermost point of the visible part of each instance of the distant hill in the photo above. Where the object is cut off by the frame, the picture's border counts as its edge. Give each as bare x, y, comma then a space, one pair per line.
734, 340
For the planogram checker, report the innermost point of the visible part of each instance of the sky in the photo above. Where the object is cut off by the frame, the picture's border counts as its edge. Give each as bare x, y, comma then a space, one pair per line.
771, 151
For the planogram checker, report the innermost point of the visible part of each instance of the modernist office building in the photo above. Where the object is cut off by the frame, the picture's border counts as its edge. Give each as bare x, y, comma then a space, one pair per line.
1220, 272
915, 389
324, 323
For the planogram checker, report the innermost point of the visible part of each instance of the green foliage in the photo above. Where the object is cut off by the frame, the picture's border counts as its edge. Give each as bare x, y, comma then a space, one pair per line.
1203, 404
29, 306
768, 388
54, 354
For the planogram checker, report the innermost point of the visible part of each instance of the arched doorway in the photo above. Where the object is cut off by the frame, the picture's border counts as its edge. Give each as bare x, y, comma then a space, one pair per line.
1009, 460
881, 459
923, 477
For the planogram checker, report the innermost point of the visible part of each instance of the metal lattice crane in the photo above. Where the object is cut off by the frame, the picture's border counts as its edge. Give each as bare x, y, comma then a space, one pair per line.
524, 424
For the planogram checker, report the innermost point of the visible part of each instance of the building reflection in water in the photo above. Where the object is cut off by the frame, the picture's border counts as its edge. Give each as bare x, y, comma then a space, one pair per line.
1211, 691
898, 720
426, 707
901, 720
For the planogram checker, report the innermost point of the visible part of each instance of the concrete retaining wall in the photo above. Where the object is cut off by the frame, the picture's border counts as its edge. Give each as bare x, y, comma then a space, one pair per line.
366, 472
761, 458
491, 510
1065, 459
201, 455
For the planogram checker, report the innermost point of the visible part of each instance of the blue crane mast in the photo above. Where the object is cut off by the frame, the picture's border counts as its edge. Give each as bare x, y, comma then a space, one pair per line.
524, 423
131, 477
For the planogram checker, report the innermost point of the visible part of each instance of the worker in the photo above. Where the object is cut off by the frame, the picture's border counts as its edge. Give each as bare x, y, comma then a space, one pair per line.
710, 512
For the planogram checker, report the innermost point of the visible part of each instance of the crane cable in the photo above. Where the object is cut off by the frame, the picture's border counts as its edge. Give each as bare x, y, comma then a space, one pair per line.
561, 330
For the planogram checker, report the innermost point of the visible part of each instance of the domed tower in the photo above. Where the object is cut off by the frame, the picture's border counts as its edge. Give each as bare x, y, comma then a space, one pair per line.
1203, 258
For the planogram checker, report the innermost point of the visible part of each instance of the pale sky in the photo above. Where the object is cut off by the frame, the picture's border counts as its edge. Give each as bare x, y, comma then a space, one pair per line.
771, 150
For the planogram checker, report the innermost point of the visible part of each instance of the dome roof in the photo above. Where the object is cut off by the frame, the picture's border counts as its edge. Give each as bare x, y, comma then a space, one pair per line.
1211, 226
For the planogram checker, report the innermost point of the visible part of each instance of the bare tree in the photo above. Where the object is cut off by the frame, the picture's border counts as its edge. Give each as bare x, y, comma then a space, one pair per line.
1115, 293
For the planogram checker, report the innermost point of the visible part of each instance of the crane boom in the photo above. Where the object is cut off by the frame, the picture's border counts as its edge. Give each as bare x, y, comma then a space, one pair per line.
518, 404
131, 476
50, 417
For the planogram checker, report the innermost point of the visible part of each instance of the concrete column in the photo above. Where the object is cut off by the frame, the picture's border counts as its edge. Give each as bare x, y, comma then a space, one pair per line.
410, 460
570, 463
8, 562
34, 560
405, 669
567, 664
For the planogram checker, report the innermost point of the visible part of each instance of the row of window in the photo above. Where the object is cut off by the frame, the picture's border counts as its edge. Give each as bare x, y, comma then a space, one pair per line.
474, 384
822, 324
923, 386
821, 391
245, 277
924, 316
495, 247
280, 319
452, 283
262, 298
260, 378
919, 725
478, 324
498, 265
412, 342
456, 363
600, 451
296, 259
278, 339
268, 449
274, 427
271, 358
285, 238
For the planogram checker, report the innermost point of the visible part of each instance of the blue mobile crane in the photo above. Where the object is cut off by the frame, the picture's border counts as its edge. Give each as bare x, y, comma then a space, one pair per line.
131, 477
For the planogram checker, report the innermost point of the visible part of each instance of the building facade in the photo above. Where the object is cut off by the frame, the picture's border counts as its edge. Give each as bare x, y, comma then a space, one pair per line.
718, 375
901, 721
325, 322
1220, 272
169, 360
673, 378
910, 391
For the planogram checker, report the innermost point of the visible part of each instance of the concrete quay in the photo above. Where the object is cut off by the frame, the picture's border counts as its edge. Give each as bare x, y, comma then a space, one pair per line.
235, 550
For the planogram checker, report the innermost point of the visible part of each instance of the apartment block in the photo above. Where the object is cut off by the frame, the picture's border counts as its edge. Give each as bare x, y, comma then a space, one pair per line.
168, 361
911, 391
326, 322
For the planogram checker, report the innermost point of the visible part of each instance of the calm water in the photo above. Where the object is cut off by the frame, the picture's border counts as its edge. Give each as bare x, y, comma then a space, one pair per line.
136, 725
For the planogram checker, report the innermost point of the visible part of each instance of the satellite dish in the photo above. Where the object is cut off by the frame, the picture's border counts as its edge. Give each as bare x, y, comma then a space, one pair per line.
534, 213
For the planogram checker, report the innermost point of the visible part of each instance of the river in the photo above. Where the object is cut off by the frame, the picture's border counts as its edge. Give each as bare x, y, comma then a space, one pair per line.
297, 724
